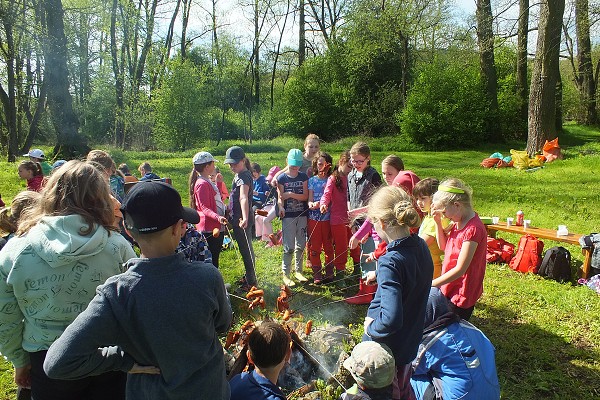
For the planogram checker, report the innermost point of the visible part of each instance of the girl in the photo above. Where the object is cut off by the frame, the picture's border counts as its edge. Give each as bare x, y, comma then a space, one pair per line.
105, 163
263, 220
293, 195
9, 216
396, 314
69, 237
312, 145
362, 182
390, 167
335, 200
319, 230
32, 172
422, 193
464, 247
206, 199
240, 205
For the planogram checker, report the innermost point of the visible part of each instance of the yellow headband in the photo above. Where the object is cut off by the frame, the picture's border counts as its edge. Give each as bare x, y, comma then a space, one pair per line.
450, 189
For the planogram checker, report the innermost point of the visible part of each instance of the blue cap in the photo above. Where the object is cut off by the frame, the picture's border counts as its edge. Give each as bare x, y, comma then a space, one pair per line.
295, 158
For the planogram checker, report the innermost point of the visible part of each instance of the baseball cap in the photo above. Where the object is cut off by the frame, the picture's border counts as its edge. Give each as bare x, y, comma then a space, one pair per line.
294, 158
154, 206
371, 365
203, 157
274, 169
234, 155
35, 153
58, 164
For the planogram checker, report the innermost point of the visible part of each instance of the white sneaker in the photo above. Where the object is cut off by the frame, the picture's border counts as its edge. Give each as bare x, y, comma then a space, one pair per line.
287, 281
301, 278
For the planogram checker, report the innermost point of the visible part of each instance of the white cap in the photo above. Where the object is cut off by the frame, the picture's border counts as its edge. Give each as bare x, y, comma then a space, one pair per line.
35, 153
203, 157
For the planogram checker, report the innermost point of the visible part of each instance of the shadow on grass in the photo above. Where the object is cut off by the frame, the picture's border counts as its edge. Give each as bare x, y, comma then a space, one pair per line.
526, 358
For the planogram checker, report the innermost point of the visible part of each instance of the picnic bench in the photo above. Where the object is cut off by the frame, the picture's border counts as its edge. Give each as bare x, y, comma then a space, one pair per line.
550, 234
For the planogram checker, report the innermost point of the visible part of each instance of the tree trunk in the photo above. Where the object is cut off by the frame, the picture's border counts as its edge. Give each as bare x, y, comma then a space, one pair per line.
119, 79
68, 142
8, 96
521, 85
255, 69
34, 123
542, 97
187, 5
485, 40
301, 35
587, 87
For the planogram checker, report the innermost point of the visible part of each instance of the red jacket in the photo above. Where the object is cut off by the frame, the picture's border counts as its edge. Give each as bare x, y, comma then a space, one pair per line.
206, 205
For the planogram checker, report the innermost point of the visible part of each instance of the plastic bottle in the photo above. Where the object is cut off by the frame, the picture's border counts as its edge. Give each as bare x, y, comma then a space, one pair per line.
520, 218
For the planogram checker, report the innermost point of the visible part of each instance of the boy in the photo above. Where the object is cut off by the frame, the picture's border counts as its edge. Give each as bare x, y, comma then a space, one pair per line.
269, 350
292, 186
146, 172
163, 313
373, 368
37, 155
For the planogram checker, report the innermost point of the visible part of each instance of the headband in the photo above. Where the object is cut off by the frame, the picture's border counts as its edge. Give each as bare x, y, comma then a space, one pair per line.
450, 189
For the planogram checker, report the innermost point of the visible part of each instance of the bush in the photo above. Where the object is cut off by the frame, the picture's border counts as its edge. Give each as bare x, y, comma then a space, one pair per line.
446, 107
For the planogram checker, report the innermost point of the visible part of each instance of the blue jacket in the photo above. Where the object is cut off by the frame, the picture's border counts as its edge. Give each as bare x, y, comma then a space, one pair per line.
262, 187
455, 362
398, 309
252, 386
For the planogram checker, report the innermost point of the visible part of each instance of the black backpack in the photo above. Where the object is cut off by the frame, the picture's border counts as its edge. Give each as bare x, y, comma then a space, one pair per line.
556, 264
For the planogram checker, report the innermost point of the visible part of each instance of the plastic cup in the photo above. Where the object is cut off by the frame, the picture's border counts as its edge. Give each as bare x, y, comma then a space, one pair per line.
495, 220
509, 221
526, 223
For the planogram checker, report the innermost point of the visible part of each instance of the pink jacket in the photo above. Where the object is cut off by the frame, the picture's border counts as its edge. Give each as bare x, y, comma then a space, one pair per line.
336, 200
206, 205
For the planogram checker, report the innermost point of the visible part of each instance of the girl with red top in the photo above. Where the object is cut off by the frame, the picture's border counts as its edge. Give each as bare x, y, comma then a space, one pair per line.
335, 200
205, 197
464, 246
32, 172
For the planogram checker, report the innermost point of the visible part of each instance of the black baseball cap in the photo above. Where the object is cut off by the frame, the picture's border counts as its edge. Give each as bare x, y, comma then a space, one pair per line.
234, 155
153, 206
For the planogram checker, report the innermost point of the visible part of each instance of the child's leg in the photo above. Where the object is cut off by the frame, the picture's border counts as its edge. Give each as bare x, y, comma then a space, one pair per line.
215, 245
259, 222
354, 253
340, 242
464, 313
289, 240
300, 241
327, 249
401, 387
314, 245
267, 222
243, 237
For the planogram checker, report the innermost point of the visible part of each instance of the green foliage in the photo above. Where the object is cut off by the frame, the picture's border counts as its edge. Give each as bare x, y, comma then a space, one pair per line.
97, 115
446, 107
328, 392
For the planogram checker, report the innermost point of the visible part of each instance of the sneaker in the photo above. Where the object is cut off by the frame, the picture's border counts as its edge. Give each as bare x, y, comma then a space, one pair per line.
301, 278
288, 282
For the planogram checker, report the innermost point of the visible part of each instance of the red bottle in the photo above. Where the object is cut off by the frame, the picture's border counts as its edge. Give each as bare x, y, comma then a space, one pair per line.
520, 218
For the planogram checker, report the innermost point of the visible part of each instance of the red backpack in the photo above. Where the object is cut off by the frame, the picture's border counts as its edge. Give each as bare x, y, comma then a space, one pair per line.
529, 255
499, 250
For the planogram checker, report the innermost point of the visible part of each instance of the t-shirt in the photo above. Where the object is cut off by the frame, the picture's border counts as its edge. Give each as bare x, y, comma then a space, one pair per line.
293, 207
317, 185
466, 290
429, 228
242, 178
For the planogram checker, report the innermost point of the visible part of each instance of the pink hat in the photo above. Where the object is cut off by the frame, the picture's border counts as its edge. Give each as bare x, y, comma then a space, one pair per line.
274, 169
406, 180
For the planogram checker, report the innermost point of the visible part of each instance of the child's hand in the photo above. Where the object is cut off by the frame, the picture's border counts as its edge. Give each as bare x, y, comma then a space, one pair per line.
281, 212
243, 223
285, 195
368, 321
353, 243
223, 220
323, 208
437, 213
371, 278
313, 205
370, 257
143, 369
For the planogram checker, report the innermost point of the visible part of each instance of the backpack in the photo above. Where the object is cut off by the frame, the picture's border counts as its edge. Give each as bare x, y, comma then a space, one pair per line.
499, 250
529, 255
556, 264
592, 242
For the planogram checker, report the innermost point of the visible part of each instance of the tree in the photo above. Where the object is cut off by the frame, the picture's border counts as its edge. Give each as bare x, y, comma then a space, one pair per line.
542, 98
584, 77
521, 73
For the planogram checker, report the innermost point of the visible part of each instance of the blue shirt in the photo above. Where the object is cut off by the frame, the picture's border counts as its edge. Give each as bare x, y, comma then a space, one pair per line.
317, 185
253, 386
262, 188
293, 208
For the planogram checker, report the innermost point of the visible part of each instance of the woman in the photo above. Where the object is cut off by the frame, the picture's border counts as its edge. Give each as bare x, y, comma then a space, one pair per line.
65, 247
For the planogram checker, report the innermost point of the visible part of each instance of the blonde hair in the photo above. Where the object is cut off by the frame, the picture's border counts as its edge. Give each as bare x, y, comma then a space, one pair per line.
10, 216
453, 190
77, 187
394, 207
32, 166
309, 137
103, 159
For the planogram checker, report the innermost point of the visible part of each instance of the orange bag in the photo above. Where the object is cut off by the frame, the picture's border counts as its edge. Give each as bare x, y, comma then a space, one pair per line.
490, 162
551, 150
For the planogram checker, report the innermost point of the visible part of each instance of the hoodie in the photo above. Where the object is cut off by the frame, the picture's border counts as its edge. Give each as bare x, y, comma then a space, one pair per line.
48, 277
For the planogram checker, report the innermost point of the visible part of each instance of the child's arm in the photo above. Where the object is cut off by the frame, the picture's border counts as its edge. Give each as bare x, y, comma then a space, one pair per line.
244, 204
326, 198
313, 205
467, 251
360, 234
388, 318
280, 200
202, 198
440, 232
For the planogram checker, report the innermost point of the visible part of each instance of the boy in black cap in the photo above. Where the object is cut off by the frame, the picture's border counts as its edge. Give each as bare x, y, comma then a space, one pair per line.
159, 320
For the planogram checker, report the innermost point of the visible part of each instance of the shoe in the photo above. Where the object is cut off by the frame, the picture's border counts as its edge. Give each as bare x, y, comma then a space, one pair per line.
365, 294
301, 278
288, 282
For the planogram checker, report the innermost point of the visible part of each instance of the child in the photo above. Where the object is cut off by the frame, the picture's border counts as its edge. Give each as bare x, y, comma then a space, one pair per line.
217, 178
105, 163
159, 320
465, 246
68, 236
206, 199
32, 173
422, 192
455, 359
335, 200
37, 156
396, 314
390, 167
269, 350
362, 182
260, 187
146, 172
319, 230
9, 216
372, 366
312, 145
240, 204
124, 168
293, 195
263, 223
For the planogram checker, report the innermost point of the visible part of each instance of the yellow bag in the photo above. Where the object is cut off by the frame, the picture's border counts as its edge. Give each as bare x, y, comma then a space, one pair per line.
520, 159
535, 162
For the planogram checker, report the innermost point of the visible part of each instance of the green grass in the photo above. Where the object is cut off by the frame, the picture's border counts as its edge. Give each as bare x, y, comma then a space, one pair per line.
547, 335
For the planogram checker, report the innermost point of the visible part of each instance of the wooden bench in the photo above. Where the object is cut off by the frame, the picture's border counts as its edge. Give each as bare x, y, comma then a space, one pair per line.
550, 234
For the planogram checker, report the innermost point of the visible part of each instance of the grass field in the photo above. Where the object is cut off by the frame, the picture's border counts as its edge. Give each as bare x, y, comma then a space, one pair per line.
547, 335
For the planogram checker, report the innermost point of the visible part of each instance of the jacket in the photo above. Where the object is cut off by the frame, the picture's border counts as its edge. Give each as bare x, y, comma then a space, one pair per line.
48, 276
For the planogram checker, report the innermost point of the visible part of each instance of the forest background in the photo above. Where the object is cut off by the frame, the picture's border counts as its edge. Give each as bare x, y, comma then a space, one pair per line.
172, 74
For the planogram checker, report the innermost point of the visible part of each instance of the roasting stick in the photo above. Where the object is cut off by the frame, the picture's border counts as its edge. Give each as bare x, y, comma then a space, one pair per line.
304, 306
239, 297
326, 304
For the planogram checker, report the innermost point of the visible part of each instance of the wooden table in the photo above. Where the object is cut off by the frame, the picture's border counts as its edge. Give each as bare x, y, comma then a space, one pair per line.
550, 234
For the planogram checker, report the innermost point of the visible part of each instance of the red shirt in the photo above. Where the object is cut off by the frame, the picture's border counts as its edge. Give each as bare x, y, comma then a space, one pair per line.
467, 289
36, 183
